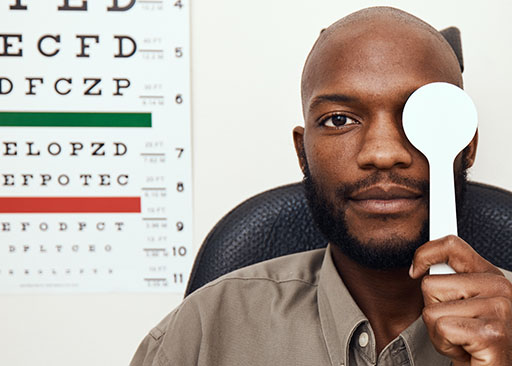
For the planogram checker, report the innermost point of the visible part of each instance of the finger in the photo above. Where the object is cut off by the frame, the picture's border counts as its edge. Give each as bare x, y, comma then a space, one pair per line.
476, 307
446, 347
442, 288
481, 338
452, 250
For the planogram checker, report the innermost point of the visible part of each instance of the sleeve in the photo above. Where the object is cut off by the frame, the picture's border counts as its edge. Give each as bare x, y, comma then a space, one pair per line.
175, 341
145, 354
508, 274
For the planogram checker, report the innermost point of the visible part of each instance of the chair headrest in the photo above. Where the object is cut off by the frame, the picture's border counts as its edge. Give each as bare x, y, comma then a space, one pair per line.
452, 36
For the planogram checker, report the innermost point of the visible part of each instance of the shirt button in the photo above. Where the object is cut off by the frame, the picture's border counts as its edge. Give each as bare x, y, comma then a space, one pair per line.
363, 339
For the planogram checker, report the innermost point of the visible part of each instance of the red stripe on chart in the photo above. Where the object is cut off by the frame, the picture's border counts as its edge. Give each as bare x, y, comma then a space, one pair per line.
70, 205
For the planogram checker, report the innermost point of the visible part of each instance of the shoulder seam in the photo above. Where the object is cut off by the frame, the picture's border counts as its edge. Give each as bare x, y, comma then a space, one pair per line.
254, 278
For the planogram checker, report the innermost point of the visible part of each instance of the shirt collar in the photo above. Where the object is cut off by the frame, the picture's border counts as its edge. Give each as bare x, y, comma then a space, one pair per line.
340, 317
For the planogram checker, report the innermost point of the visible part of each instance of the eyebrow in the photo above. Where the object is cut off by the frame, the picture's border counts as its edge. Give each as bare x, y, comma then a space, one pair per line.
336, 98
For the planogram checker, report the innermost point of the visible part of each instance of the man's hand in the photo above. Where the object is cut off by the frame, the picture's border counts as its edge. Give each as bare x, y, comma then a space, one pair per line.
468, 314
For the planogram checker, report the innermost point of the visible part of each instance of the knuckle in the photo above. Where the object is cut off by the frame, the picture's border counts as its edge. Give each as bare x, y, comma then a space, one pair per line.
440, 326
452, 241
502, 307
494, 331
500, 285
428, 315
505, 287
426, 284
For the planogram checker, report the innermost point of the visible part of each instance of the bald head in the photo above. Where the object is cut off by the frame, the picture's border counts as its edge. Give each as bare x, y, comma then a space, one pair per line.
376, 38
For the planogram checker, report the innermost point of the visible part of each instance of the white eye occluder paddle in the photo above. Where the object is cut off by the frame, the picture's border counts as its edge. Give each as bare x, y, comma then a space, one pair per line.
440, 120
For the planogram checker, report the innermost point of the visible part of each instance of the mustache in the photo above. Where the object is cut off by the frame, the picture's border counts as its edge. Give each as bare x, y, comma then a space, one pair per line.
348, 189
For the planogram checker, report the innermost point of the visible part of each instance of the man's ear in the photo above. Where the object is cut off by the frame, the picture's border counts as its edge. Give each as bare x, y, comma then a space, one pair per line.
471, 151
298, 141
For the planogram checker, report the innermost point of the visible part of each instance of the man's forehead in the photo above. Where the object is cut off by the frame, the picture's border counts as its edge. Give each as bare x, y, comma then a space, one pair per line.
365, 44
381, 29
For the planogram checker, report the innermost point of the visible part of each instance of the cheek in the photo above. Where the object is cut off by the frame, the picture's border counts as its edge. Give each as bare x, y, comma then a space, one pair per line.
420, 166
330, 159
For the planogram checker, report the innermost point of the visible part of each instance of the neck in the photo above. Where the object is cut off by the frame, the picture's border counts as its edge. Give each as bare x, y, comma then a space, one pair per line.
390, 299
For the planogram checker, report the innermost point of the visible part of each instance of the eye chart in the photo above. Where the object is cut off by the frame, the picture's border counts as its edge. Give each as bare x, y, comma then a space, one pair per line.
95, 173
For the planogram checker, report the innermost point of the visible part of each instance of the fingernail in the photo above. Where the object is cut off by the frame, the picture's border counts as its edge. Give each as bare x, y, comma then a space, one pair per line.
411, 270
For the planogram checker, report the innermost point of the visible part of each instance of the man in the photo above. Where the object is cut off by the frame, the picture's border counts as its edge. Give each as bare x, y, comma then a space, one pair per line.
360, 301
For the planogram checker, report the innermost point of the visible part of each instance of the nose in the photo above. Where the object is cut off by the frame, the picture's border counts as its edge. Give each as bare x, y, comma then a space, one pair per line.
384, 145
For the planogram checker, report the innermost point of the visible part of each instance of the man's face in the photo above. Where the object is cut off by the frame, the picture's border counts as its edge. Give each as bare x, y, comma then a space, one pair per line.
359, 162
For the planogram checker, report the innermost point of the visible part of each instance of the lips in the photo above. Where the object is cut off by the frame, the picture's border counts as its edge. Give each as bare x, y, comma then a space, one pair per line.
386, 199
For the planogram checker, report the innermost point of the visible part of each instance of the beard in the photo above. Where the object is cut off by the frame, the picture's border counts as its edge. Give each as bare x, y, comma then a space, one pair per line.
391, 253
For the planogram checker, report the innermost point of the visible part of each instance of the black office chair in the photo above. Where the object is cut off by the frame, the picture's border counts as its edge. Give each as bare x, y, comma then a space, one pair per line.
278, 222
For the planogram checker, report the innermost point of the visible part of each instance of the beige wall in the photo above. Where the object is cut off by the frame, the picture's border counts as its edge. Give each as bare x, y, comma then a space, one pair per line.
247, 59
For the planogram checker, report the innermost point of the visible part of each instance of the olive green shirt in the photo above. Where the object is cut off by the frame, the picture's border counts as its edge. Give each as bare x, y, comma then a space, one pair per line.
292, 310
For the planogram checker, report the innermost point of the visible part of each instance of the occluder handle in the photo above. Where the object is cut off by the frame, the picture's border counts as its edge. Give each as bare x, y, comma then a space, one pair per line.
443, 213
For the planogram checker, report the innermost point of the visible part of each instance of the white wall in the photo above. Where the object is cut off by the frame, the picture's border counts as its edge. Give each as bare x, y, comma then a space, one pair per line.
247, 59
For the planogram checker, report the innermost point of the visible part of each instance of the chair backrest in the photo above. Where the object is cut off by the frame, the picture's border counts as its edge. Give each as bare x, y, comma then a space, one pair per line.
278, 222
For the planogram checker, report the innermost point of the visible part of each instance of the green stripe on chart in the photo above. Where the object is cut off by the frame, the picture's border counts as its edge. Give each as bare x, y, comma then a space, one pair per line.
74, 119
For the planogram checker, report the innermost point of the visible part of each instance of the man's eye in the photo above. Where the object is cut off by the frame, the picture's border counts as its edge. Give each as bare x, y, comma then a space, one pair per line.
338, 120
